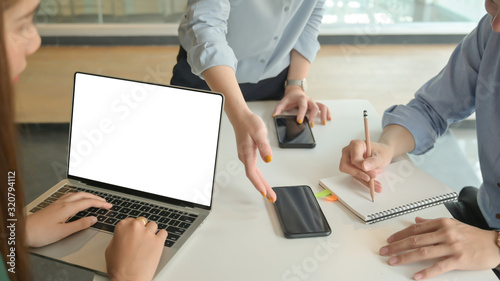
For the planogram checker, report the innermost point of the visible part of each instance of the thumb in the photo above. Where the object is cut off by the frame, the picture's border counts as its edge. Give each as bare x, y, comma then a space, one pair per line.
78, 225
263, 146
279, 108
420, 220
372, 163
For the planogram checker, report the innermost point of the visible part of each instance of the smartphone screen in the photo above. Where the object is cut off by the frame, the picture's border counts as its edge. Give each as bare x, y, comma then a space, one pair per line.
292, 134
299, 212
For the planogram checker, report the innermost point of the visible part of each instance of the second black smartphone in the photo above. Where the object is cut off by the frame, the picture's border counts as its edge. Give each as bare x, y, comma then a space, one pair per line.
291, 134
299, 212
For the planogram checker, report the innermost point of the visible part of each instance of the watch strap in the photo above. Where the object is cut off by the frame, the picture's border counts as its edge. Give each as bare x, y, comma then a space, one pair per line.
297, 82
293, 82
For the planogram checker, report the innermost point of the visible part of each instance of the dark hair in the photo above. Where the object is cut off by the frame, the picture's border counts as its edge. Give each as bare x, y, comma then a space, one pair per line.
9, 165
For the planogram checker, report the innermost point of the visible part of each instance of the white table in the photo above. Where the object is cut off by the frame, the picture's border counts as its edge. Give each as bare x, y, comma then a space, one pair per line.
242, 240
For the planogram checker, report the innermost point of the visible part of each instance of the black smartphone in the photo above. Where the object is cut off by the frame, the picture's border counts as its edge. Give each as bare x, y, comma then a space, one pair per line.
291, 134
299, 212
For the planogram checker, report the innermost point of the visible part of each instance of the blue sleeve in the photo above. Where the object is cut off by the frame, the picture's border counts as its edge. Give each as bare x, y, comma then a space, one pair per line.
206, 30
307, 44
446, 98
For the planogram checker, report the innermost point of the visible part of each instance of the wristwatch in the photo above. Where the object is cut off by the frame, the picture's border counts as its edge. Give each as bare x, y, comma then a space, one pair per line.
302, 83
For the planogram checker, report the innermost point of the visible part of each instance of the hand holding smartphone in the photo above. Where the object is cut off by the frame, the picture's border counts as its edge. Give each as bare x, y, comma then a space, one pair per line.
299, 212
292, 134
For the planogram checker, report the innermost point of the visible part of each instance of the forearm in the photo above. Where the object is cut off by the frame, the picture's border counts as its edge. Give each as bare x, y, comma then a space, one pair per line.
497, 242
299, 66
398, 138
222, 79
298, 70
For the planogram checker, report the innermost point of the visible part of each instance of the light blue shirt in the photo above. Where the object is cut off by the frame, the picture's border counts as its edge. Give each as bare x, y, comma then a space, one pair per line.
254, 37
469, 82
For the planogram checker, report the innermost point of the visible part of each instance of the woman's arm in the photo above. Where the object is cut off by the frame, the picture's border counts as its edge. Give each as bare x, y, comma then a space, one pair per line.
250, 130
303, 53
296, 96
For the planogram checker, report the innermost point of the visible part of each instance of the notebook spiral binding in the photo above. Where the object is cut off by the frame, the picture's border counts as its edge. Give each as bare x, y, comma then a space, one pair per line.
412, 207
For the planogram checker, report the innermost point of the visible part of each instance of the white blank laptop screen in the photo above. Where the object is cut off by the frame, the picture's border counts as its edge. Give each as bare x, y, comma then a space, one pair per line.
150, 138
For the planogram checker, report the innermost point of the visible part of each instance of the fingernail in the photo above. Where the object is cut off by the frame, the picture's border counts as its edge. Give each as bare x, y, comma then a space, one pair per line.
393, 260
312, 124
417, 276
367, 166
268, 159
323, 122
93, 219
270, 200
299, 121
274, 114
262, 194
383, 250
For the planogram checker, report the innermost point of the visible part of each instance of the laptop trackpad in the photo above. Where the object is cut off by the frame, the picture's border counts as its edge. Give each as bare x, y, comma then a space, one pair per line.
85, 248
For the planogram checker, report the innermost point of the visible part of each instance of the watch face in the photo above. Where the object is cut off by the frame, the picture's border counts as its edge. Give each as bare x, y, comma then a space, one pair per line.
304, 84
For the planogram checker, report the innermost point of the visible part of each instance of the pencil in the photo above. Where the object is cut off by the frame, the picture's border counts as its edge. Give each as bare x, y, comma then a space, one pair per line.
369, 152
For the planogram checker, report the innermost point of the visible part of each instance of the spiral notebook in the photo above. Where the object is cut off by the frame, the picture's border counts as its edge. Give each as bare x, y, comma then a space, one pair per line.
406, 188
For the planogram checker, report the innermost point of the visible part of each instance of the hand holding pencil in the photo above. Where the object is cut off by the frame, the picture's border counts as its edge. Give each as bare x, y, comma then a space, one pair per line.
364, 159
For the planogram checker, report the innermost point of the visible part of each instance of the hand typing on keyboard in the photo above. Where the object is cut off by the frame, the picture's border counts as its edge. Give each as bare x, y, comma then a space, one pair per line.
135, 250
136, 247
48, 225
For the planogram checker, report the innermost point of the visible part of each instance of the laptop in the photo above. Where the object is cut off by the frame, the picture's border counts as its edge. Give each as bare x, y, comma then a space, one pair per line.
148, 149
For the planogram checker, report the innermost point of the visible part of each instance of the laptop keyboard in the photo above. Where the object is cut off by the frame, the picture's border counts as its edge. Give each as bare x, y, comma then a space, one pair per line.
174, 221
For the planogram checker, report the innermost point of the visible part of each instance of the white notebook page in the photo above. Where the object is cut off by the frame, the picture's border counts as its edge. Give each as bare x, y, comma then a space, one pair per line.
405, 188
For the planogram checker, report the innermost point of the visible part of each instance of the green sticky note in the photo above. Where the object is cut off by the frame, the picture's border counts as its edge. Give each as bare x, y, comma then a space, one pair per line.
323, 193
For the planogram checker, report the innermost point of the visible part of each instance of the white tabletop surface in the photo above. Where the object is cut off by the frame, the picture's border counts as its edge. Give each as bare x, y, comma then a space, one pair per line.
242, 240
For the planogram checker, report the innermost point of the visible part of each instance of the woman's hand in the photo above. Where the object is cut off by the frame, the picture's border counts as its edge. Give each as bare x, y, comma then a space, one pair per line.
251, 135
249, 129
355, 163
296, 97
135, 250
49, 224
455, 245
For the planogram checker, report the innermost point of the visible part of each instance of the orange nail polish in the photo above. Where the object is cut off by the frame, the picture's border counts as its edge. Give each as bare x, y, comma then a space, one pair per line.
332, 198
323, 122
274, 114
270, 200
268, 159
300, 121
262, 194
312, 124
